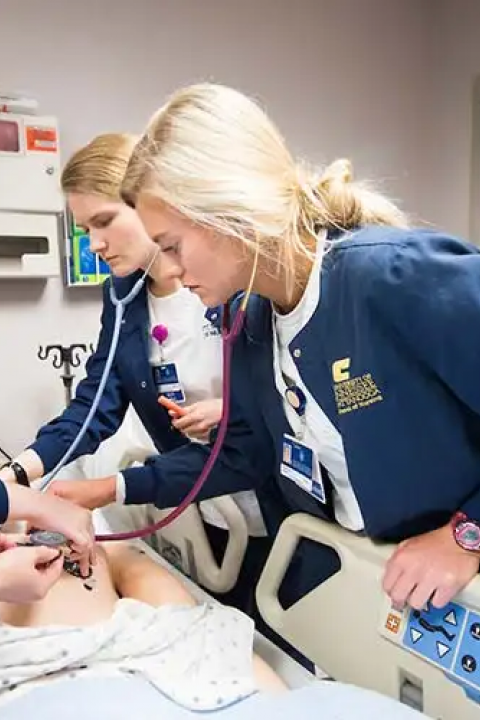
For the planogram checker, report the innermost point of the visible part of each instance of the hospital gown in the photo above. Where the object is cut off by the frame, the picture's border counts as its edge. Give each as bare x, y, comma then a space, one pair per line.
199, 657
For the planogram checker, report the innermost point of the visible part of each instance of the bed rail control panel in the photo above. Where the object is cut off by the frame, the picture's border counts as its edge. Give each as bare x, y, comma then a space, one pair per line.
447, 637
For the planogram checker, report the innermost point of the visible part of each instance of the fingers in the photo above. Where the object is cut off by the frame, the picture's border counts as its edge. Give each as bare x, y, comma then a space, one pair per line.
197, 430
443, 595
193, 424
401, 590
11, 540
49, 566
78, 527
421, 595
399, 581
84, 561
186, 422
59, 488
88, 549
45, 556
84, 550
171, 406
418, 586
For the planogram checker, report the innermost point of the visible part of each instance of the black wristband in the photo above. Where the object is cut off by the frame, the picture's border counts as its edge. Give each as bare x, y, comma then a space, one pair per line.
20, 475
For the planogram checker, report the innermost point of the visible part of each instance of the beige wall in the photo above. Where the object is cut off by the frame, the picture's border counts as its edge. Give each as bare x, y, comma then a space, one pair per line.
350, 78
455, 58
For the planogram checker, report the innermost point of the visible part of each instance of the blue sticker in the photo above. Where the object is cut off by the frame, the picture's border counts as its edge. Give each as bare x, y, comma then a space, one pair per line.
176, 395
435, 633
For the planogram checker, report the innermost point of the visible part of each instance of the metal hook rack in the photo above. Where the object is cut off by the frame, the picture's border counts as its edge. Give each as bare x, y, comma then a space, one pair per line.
66, 357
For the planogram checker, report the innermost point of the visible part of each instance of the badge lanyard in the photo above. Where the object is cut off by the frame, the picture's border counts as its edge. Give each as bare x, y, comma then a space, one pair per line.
165, 374
160, 334
299, 461
297, 400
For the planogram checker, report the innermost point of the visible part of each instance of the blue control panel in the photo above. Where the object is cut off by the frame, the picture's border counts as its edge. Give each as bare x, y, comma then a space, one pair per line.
467, 663
450, 638
435, 633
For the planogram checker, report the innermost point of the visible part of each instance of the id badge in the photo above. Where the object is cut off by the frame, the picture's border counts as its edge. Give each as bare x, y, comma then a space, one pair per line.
167, 382
300, 465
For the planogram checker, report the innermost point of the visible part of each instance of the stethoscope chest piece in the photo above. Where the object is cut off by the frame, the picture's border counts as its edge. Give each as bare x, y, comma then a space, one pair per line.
46, 538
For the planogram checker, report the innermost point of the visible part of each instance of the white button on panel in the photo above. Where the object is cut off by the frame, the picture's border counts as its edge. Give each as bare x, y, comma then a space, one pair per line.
213, 316
297, 352
143, 384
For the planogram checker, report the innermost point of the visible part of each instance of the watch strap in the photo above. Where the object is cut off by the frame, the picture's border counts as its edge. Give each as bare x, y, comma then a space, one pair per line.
20, 473
466, 532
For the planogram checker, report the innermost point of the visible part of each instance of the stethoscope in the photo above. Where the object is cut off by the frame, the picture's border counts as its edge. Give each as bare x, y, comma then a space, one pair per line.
229, 335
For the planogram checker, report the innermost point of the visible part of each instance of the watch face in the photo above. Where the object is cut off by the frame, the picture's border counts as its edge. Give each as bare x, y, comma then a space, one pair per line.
467, 534
50, 539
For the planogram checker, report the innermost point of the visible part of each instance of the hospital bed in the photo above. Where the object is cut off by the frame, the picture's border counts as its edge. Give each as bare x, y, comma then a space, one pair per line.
316, 697
364, 642
347, 626
119, 519
428, 660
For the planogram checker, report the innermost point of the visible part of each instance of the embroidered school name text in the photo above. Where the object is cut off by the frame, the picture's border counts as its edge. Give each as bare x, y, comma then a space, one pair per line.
356, 393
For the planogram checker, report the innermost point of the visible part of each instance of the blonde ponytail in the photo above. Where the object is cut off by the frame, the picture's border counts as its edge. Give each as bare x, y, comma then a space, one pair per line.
213, 155
335, 201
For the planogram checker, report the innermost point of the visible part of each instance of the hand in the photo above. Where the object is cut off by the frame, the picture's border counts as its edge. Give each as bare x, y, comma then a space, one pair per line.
47, 512
430, 567
198, 419
75, 522
88, 494
27, 573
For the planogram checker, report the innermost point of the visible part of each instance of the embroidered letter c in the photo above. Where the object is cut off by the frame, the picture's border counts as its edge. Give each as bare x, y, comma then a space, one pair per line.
340, 370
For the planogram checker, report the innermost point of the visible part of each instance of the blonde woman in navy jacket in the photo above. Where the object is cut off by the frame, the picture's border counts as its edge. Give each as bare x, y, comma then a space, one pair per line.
91, 181
362, 343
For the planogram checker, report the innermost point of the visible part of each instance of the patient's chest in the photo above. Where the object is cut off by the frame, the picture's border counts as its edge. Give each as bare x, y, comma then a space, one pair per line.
72, 601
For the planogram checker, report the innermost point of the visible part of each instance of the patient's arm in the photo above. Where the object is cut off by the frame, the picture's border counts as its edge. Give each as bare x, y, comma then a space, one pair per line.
135, 575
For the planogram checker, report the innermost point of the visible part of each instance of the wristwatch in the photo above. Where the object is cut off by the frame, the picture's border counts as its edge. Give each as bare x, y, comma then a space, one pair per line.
21, 476
466, 532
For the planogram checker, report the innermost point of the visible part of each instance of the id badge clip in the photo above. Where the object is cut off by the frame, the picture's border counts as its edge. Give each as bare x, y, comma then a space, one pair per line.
167, 382
300, 465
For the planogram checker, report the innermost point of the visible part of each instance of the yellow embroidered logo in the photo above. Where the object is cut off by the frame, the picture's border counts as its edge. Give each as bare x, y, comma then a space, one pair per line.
353, 393
340, 370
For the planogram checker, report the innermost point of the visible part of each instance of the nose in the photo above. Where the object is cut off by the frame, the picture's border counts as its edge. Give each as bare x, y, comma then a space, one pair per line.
97, 242
171, 267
